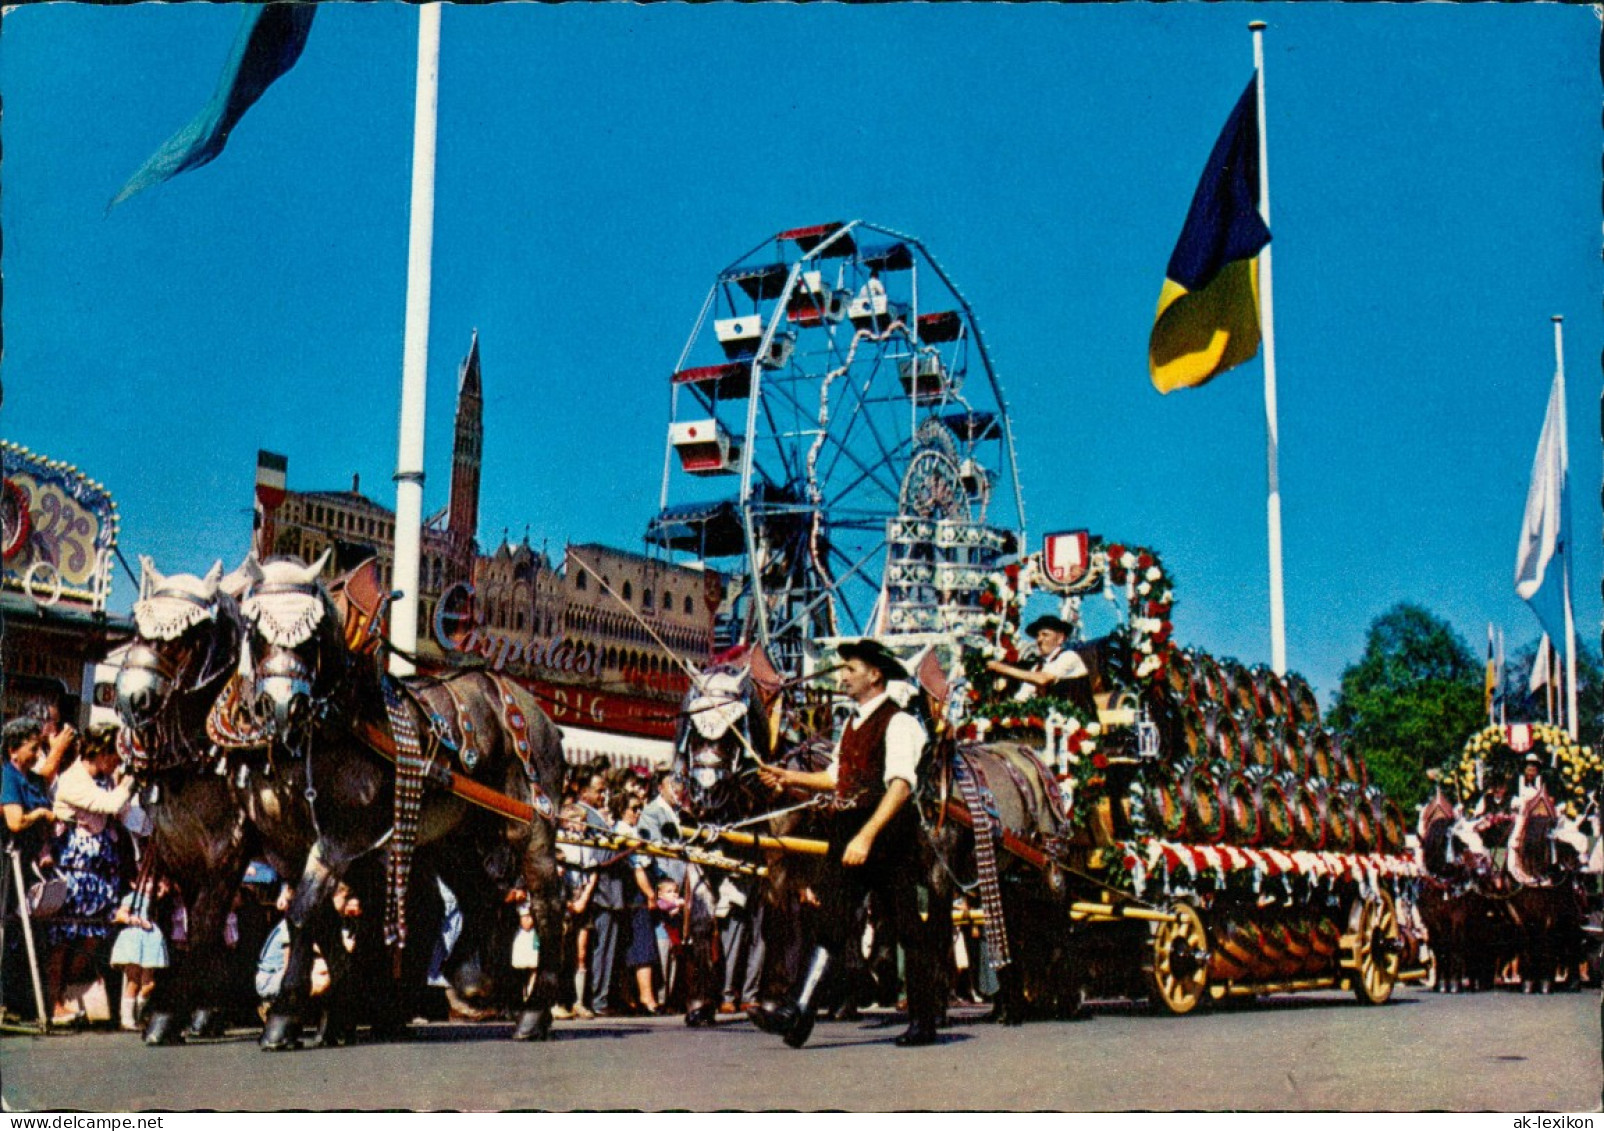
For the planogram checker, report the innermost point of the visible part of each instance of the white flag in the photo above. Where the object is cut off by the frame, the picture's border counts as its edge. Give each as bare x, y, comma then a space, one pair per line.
1545, 531
1541, 663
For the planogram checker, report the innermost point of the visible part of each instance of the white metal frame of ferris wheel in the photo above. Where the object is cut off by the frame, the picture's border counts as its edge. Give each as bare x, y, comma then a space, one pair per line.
750, 510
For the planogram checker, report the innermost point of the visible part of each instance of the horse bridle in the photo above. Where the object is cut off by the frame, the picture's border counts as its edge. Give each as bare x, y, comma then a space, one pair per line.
168, 673
287, 663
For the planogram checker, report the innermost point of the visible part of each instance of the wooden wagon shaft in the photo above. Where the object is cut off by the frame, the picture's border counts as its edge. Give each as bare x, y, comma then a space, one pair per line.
803, 845
510, 807
622, 842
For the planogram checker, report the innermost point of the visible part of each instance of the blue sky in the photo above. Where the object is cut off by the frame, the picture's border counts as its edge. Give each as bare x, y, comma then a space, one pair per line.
1434, 184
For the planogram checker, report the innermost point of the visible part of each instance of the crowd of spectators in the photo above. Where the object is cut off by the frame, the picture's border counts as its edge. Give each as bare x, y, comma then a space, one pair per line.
72, 817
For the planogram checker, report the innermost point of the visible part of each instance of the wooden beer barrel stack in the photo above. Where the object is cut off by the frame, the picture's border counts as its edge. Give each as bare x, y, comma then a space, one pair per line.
1250, 764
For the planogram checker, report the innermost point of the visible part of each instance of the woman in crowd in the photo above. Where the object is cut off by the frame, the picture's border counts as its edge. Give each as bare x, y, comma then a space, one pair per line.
90, 797
25, 793
639, 896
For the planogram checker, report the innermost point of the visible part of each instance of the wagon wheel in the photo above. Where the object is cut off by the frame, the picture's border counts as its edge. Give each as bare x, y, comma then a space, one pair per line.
1178, 961
1374, 947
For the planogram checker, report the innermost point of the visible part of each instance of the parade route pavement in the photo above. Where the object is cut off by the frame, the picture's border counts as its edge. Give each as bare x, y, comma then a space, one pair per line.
1422, 1051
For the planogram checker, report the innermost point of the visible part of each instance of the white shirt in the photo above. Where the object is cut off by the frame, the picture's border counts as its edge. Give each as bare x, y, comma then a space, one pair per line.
1063, 663
905, 741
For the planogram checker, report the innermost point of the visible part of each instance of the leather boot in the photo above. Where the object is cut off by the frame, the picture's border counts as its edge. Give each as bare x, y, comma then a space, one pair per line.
793, 1020
806, 1012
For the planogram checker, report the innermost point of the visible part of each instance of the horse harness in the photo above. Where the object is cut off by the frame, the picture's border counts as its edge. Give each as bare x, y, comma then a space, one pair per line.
454, 732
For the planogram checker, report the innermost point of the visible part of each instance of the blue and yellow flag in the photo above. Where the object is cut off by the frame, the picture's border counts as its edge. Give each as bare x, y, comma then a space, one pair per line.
1208, 311
268, 44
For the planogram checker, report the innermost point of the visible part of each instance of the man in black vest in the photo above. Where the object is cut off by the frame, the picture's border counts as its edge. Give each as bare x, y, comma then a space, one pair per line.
874, 847
1057, 671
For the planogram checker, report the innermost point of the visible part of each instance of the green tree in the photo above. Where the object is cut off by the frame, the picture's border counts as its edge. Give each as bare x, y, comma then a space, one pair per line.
1411, 700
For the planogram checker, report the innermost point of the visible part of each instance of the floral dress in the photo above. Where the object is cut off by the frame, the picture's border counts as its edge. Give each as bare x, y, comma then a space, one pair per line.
90, 864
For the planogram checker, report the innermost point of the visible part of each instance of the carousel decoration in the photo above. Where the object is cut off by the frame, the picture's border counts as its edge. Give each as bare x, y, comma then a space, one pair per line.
58, 530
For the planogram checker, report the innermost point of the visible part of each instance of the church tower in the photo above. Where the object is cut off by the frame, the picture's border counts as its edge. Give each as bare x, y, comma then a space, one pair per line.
467, 452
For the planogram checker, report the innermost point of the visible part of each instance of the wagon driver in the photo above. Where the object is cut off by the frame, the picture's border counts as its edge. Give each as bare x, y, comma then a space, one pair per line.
1057, 670
874, 847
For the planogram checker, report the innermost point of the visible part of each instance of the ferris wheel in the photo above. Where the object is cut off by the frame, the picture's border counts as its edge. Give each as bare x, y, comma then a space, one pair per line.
838, 443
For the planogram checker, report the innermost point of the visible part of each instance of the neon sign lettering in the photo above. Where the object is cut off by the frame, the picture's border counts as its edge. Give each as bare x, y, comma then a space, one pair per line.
557, 654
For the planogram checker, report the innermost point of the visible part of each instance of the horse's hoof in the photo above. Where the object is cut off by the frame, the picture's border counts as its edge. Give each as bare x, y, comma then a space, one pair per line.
281, 1034
1545, 987
162, 1029
1526, 987
699, 1016
533, 1025
205, 1023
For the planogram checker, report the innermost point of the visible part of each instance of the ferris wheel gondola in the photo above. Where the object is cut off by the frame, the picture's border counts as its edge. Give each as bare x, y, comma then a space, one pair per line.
838, 442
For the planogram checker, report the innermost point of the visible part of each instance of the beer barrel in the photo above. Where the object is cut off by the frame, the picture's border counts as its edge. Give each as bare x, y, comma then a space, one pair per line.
1262, 747
1205, 681
1339, 821
1278, 829
1317, 754
1243, 816
1166, 811
1225, 739
1270, 692
1394, 829
1194, 734
1257, 750
1308, 818
1301, 695
1366, 810
1205, 816
1347, 754
1236, 948
1237, 687
1178, 676
1326, 938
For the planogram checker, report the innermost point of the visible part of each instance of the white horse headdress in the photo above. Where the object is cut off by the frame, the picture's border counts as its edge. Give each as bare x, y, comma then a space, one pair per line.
285, 604
168, 607
720, 703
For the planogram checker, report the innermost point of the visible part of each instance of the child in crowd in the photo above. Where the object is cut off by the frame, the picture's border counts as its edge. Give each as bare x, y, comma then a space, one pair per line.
139, 950
526, 946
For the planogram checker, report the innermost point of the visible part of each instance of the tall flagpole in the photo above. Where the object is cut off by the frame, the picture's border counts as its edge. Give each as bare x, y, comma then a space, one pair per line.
1565, 530
415, 352
1278, 616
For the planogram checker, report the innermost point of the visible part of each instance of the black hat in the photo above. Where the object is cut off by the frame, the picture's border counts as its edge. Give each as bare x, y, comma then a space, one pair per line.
876, 655
1057, 624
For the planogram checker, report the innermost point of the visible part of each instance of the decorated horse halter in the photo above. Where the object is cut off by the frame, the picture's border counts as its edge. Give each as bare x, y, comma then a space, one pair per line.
165, 616
719, 709
288, 615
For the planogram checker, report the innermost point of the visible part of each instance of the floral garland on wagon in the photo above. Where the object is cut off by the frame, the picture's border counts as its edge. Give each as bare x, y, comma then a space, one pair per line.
1152, 598
1574, 771
1002, 598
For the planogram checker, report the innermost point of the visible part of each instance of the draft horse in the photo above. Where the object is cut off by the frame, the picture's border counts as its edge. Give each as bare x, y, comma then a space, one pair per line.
189, 635
374, 753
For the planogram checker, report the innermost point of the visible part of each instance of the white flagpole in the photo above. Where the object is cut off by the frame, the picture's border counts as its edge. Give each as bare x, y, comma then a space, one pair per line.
1278, 626
415, 352
1565, 502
